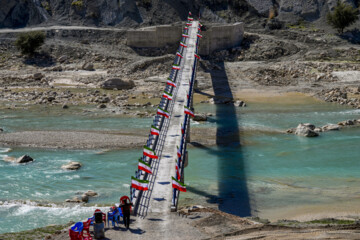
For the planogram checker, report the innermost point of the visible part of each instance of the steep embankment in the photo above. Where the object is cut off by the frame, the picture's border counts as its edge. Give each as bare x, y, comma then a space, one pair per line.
14, 14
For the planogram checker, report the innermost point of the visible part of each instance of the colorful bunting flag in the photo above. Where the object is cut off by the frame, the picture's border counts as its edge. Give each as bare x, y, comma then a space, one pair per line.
163, 112
154, 130
197, 56
185, 35
190, 19
179, 54
177, 172
199, 35
178, 152
149, 153
188, 111
168, 96
171, 83
143, 166
178, 185
142, 185
183, 44
176, 67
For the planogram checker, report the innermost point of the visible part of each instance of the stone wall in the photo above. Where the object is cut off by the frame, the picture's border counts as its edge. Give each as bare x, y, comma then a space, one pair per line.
157, 37
216, 37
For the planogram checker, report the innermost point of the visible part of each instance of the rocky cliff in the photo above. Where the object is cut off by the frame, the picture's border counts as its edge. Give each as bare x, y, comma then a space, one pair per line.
21, 13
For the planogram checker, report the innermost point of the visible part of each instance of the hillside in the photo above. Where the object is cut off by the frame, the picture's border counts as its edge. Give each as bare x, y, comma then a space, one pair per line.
22, 13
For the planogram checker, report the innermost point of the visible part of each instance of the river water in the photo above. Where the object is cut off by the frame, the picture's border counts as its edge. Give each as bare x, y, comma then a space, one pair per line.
262, 173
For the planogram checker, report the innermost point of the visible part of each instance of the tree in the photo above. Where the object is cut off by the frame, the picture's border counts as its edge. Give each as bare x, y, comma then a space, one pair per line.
343, 16
29, 42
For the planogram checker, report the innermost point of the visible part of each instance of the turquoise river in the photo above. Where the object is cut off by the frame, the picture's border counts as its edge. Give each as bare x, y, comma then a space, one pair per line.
270, 174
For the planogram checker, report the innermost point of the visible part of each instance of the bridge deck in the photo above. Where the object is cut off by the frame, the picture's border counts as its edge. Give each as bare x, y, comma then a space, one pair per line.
161, 194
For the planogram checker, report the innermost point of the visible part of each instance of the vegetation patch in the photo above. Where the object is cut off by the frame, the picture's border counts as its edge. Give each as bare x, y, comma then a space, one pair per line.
332, 221
343, 16
78, 4
38, 233
29, 42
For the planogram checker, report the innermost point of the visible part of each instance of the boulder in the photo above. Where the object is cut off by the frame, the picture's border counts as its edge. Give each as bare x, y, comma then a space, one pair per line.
330, 127
346, 123
317, 129
74, 200
309, 125
291, 130
200, 117
62, 59
72, 166
306, 130
88, 67
57, 68
24, 159
65, 106
91, 193
118, 83
84, 198
38, 76
1, 129
101, 106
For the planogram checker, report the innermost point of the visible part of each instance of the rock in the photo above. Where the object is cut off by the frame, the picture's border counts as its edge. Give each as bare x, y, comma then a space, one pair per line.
309, 125
291, 130
24, 159
346, 123
239, 103
118, 83
38, 76
88, 67
330, 127
91, 193
101, 106
84, 198
317, 129
62, 59
72, 166
57, 68
74, 200
306, 130
1, 129
200, 117
65, 106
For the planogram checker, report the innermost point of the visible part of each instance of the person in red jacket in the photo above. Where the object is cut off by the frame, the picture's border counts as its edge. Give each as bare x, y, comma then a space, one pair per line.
125, 205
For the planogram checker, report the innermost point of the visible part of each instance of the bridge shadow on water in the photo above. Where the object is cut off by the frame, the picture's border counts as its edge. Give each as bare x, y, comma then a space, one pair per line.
233, 193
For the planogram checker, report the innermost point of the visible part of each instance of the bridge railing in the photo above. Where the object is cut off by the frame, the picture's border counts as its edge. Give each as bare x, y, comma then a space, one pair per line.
186, 131
155, 142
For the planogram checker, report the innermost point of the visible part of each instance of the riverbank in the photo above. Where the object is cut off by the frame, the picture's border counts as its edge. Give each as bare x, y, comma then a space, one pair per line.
54, 108
207, 223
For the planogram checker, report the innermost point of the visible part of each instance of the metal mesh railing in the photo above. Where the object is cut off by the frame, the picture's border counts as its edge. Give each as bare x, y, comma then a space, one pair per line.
141, 199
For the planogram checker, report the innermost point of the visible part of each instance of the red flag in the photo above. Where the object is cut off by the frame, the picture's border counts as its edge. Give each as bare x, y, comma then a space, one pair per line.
177, 172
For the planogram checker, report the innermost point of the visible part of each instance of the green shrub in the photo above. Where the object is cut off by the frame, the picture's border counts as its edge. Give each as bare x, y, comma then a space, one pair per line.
77, 4
29, 42
343, 16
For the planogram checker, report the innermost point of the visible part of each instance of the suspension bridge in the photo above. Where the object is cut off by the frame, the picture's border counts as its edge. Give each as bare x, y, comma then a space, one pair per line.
165, 155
